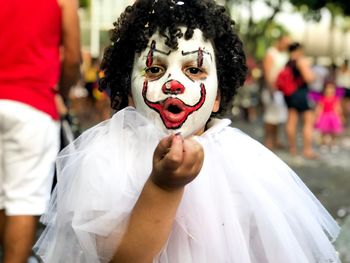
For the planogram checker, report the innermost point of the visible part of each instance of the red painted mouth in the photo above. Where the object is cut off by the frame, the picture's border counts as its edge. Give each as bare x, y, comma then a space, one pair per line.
173, 111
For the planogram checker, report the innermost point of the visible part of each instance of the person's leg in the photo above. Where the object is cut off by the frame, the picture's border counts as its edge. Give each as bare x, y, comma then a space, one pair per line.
274, 132
346, 109
277, 139
2, 175
269, 135
2, 178
308, 128
19, 238
31, 141
270, 119
291, 129
2, 226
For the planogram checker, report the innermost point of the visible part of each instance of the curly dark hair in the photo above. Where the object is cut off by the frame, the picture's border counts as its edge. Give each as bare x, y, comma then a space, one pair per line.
141, 20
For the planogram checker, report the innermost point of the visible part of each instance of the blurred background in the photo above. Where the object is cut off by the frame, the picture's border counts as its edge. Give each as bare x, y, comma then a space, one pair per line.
322, 27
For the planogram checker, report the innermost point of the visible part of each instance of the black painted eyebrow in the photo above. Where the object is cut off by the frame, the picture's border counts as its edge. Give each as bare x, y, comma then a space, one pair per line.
195, 51
162, 52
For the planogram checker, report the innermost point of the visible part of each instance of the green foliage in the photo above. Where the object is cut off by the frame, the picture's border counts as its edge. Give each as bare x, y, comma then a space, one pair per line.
84, 3
265, 34
258, 35
344, 5
311, 4
313, 7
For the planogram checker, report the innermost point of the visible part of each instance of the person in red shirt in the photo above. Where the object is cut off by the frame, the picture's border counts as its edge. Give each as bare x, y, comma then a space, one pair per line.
298, 102
40, 56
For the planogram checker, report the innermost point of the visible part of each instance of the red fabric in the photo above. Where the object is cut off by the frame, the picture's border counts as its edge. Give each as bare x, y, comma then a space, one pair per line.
285, 81
30, 37
329, 103
329, 121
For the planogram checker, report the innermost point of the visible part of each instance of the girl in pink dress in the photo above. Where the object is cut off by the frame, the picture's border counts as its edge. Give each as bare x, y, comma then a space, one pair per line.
328, 115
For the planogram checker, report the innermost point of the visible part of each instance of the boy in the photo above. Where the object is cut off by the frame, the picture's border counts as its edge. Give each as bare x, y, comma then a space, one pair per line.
199, 199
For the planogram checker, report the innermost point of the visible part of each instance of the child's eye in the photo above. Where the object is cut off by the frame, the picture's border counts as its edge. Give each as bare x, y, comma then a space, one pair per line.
154, 72
194, 70
195, 73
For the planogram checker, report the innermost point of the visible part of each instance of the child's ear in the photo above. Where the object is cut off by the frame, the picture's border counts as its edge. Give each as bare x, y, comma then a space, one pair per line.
217, 101
131, 101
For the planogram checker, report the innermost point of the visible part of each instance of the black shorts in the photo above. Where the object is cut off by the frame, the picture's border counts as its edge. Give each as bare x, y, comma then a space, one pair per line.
299, 100
347, 93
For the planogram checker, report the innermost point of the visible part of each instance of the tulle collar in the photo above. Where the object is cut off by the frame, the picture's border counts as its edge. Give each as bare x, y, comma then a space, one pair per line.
216, 125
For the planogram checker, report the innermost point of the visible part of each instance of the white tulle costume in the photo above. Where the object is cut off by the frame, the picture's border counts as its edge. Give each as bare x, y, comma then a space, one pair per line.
245, 206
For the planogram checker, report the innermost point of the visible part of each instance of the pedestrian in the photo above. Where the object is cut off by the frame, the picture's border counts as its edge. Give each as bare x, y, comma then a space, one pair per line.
210, 193
275, 110
298, 102
342, 81
32, 34
247, 97
316, 87
329, 117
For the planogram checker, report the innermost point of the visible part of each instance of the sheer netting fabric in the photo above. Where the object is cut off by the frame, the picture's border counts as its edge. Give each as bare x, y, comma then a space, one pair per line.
245, 206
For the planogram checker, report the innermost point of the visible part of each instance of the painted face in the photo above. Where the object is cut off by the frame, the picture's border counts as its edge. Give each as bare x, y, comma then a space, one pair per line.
176, 89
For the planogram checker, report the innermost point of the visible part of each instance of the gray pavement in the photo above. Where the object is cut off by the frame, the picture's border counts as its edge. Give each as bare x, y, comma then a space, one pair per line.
327, 177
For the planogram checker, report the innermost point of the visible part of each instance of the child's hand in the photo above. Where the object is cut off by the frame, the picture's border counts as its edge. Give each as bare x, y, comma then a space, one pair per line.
176, 162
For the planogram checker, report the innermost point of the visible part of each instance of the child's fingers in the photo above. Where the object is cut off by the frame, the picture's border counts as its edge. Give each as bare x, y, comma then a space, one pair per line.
163, 147
193, 153
173, 158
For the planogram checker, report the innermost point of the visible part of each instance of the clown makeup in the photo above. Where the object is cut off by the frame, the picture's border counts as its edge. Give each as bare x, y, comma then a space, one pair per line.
176, 89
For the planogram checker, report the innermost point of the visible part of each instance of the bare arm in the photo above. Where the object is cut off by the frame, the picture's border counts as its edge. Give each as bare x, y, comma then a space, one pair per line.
71, 57
176, 162
339, 111
305, 70
267, 67
318, 110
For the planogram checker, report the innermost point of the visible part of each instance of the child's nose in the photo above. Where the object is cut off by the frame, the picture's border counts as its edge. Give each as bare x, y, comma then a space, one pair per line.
173, 87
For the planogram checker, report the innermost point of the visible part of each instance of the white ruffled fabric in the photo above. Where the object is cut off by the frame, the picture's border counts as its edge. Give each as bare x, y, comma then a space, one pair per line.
245, 206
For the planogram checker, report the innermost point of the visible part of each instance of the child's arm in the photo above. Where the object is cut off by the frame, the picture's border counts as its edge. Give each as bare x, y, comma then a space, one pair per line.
176, 162
305, 70
318, 110
267, 68
338, 110
70, 66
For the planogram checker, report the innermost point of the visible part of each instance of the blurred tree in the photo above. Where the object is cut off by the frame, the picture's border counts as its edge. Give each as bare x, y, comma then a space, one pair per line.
254, 33
257, 35
311, 9
84, 3
339, 11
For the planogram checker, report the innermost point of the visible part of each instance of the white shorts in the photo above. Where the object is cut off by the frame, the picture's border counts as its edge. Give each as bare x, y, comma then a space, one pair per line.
275, 108
29, 142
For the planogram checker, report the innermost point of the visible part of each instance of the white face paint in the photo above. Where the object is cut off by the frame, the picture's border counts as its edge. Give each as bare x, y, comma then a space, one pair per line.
176, 89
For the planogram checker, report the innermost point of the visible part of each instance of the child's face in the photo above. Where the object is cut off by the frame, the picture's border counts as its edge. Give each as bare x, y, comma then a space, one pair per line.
176, 89
329, 89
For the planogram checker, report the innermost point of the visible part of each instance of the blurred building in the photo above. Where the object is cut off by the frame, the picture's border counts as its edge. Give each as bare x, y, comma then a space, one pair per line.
325, 39
97, 20
320, 39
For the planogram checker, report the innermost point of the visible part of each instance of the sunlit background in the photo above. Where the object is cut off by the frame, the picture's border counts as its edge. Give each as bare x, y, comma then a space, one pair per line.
325, 32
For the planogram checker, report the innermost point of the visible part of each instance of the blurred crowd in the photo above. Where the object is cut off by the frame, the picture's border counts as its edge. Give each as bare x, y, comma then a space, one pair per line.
318, 108
88, 104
